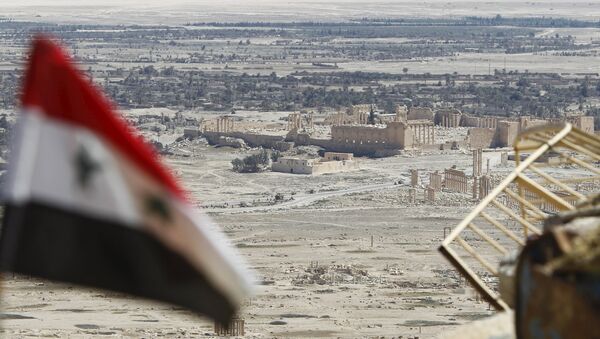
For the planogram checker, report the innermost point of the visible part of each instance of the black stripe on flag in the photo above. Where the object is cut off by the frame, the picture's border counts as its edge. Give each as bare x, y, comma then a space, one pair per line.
52, 243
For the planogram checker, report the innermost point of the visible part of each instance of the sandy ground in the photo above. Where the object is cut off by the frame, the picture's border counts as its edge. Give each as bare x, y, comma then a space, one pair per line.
320, 276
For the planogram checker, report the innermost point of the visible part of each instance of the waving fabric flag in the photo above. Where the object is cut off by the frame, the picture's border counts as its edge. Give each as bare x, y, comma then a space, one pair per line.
88, 202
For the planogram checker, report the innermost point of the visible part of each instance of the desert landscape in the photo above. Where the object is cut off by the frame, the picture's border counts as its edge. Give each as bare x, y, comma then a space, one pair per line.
404, 113
319, 274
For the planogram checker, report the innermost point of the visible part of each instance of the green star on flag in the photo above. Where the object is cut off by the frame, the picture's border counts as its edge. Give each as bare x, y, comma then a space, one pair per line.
86, 167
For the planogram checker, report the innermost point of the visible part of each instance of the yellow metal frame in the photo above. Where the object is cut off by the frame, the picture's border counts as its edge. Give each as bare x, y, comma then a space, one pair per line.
537, 190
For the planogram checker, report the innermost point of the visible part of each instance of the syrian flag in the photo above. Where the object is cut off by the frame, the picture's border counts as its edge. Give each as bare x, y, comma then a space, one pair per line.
88, 202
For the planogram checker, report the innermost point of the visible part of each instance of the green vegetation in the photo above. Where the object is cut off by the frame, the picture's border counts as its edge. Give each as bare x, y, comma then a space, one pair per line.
252, 163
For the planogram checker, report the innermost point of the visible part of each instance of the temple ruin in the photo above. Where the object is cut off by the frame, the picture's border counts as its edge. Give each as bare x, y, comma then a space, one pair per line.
455, 180
294, 121
423, 132
435, 181
225, 124
363, 131
420, 113
448, 118
395, 135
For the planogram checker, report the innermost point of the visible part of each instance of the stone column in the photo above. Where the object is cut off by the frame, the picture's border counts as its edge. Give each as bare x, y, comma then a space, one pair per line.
429, 134
430, 129
412, 195
477, 162
414, 177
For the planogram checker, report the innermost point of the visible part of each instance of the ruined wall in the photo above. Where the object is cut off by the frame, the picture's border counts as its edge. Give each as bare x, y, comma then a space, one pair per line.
448, 117
191, 132
252, 140
361, 108
455, 180
232, 142
337, 156
526, 122
481, 137
371, 150
420, 113
506, 133
360, 140
584, 123
401, 113
294, 121
352, 116
481, 122
394, 135
423, 132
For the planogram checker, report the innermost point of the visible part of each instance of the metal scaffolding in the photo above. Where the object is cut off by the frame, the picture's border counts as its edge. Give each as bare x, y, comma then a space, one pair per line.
556, 169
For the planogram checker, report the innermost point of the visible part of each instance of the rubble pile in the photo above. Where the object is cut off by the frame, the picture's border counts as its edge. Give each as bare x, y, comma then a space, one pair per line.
182, 147
332, 275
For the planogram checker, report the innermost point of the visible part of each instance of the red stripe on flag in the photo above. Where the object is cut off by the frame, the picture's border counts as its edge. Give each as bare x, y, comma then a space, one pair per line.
56, 88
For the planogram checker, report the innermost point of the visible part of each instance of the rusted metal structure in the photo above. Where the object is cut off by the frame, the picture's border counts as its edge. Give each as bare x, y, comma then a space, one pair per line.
558, 286
561, 170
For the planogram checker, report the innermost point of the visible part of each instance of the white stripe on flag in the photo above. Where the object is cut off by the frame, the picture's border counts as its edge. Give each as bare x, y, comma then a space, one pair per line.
46, 170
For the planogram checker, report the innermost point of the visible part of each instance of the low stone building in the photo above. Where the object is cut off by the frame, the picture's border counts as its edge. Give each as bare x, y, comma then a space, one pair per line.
331, 163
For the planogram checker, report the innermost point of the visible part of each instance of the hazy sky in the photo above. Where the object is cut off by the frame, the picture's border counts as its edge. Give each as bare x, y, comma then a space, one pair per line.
181, 11
13, 3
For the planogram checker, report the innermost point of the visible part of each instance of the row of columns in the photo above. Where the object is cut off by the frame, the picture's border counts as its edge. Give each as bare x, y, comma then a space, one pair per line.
487, 122
224, 124
294, 121
423, 134
451, 120
435, 181
456, 180
362, 118
428, 194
